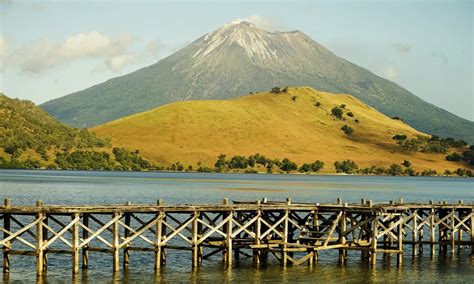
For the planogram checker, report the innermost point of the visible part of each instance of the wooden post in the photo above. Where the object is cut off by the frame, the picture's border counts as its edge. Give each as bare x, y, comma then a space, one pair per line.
415, 233
342, 237
432, 232
115, 243
373, 243
126, 250
229, 240
160, 256
75, 244
258, 224
472, 231
85, 235
453, 231
284, 245
400, 240
7, 245
45, 239
195, 248
39, 240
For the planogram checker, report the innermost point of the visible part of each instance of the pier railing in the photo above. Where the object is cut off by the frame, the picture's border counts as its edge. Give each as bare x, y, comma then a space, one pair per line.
293, 233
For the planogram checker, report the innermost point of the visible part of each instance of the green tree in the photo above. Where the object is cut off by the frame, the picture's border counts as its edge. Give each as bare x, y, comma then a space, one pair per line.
337, 112
347, 166
287, 165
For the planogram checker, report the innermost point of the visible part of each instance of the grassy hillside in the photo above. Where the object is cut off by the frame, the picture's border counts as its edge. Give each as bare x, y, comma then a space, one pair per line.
297, 124
31, 138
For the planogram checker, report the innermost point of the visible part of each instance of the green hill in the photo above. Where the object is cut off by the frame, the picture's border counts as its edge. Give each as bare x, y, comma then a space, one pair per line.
31, 138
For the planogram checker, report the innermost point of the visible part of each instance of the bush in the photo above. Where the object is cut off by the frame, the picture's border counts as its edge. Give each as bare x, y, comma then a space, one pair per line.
406, 163
221, 163
238, 162
287, 165
454, 157
275, 90
429, 172
350, 114
347, 129
395, 170
400, 137
347, 166
468, 156
251, 171
342, 106
313, 167
337, 112
317, 104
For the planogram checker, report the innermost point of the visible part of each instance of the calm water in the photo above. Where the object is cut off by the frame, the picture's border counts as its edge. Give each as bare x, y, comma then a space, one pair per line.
56, 187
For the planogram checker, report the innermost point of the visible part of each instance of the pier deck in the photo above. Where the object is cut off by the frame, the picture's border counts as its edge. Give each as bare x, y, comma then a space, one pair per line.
293, 233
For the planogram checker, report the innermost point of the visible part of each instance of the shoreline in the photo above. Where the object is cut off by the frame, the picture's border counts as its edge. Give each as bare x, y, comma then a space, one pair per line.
239, 173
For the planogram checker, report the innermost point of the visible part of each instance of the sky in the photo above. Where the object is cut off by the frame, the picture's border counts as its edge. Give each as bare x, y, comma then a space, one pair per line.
49, 49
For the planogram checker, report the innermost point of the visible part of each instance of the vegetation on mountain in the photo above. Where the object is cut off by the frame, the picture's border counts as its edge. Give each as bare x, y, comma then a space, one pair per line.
32, 139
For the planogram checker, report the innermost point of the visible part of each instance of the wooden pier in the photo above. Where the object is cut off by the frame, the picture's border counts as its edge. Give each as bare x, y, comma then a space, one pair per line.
293, 233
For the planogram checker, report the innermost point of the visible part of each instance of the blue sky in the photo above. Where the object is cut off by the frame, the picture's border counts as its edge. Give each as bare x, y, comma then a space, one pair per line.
52, 48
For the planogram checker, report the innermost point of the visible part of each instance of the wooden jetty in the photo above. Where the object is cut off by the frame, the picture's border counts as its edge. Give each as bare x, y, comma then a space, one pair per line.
293, 233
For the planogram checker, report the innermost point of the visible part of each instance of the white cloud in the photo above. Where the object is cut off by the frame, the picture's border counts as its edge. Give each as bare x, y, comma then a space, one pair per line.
44, 54
116, 63
390, 73
264, 22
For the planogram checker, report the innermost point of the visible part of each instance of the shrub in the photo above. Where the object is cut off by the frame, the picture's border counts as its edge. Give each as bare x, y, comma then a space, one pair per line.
350, 114
317, 104
313, 167
238, 162
357, 121
221, 163
400, 137
342, 106
293, 98
346, 166
337, 112
251, 171
468, 156
429, 172
454, 157
406, 163
395, 170
275, 90
347, 129
410, 172
287, 165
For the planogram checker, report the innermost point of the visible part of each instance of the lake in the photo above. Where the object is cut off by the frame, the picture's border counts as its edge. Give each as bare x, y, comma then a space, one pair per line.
24, 187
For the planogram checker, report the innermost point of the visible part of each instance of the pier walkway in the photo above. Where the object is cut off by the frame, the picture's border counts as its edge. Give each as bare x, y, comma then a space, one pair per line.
293, 233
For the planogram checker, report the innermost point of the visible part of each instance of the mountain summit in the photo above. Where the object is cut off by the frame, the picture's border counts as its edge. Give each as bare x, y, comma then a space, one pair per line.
239, 58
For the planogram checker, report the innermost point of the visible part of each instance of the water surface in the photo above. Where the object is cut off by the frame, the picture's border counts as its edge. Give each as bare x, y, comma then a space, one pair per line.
87, 187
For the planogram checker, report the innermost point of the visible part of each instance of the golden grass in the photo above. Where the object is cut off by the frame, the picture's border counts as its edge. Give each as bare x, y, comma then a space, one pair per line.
271, 124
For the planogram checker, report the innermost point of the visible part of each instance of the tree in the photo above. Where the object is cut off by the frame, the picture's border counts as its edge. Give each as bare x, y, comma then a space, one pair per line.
400, 137
337, 112
454, 157
287, 165
317, 104
221, 163
406, 163
275, 90
347, 166
350, 114
347, 129
395, 170
317, 166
